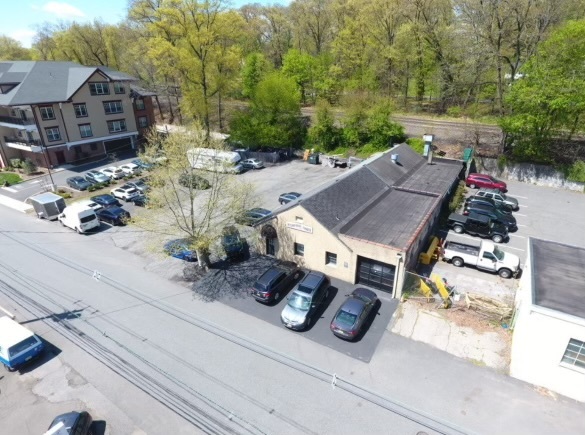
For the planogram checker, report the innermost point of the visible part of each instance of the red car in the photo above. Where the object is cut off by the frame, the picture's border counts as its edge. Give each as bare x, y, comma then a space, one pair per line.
485, 181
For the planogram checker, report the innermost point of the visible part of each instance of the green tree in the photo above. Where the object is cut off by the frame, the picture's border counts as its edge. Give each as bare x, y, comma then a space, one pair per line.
11, 49
548, 103
324, 135
383, 132
255, 69
273, 118
188, 210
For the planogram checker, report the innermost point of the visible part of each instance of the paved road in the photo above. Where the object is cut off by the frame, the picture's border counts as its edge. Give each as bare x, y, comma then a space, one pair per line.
132, 337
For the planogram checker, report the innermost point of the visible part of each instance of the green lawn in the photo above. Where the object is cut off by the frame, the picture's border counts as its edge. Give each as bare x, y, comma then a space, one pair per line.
11, 177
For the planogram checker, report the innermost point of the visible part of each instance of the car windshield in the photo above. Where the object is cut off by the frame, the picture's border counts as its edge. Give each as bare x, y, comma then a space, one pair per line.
498, 253
345, 318
299, 302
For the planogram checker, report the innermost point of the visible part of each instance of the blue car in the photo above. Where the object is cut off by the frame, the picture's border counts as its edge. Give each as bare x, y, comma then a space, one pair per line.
113, 215
106, 200
179, 248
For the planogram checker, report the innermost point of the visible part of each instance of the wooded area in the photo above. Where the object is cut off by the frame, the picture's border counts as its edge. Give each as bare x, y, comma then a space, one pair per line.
517, 61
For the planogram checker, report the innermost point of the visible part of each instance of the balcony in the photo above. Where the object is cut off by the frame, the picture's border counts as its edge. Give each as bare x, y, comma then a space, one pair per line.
32, 145
16, 121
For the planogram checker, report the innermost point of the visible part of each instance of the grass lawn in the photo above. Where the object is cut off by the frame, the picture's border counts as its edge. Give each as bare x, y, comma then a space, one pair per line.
10, 177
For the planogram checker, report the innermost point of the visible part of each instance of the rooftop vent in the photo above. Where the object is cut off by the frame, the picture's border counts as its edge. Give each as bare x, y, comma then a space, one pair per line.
394, 158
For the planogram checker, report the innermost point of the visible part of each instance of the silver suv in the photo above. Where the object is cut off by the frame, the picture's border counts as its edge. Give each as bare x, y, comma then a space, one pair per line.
305, 300
498, 197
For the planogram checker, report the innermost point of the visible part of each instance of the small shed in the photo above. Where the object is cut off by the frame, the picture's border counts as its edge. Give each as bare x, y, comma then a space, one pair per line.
48, 205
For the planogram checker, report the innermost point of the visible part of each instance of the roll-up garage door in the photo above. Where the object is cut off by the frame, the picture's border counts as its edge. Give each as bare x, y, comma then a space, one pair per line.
375, 274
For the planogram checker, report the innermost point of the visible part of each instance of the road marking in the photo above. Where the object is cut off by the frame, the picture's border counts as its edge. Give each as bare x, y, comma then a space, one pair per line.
518, 225
510, 247
35, 181
520, 214
514, 235
523, 197
10, 189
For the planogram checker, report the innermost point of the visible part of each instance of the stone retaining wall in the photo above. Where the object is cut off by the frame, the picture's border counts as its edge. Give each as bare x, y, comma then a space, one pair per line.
540, 175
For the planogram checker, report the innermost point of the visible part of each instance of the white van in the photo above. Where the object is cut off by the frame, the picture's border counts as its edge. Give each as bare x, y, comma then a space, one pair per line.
79, 218
18, 345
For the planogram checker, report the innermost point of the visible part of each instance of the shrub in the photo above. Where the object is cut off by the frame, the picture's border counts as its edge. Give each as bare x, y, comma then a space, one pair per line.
15, 163
92, 188
454, 112
576, 172
417, 144
458, 197
369, 149
63, 194
29, 166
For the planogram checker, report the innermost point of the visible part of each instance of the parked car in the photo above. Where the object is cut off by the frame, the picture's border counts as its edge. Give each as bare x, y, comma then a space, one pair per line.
478, 200
106, 200
96, 177
125, 192
285, 198
305, 300
275, 282
113, 172
250, 217
79, 218
113, 215
252, 164
493, 213
139, 185
141, 200
486, 256
142, 164
187, 179
71, 423
232, 243
130, 169
88, 203
179, 248
353, 313
481, 180
78, 183
478, 225
498, 197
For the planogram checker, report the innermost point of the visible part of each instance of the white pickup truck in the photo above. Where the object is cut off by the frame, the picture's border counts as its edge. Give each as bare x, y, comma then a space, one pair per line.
486, 256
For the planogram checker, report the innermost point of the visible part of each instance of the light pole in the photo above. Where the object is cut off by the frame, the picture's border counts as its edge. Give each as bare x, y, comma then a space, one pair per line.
48, 163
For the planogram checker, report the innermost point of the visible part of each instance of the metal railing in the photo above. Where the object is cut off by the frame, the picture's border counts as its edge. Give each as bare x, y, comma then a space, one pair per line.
15, 120
21, 141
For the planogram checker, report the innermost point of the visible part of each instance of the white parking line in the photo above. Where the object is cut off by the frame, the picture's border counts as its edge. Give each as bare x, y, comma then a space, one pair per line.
520, 214
518, 225
10, 189
514, 235
523, 197
510, 247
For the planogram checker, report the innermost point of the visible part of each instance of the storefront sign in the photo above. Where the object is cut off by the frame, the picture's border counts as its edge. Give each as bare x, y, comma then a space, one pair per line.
299, 227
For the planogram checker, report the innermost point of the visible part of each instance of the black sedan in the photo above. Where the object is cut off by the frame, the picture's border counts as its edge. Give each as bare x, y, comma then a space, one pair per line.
72, 423
113, 215
106, 200
250, 217
353, 313
285, 198
78, 183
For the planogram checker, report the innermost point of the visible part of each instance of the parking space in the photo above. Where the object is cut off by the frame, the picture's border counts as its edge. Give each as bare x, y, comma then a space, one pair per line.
230, 284
545, 213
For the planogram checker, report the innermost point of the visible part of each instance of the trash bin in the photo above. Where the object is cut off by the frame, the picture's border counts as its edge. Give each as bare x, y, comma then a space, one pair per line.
314, 159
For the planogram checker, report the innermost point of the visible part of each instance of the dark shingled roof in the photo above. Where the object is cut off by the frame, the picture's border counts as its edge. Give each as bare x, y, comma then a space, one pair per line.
379, 200
558, 276
392, 219
334, 204
47, 82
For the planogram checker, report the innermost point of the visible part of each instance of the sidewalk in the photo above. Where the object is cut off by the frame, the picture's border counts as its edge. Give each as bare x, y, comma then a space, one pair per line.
14, 203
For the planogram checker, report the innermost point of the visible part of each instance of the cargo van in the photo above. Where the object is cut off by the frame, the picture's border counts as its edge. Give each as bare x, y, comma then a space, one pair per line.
79, 218
18, 345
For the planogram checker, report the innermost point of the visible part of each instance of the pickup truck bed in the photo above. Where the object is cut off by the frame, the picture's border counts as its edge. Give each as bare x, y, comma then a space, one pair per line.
463, 248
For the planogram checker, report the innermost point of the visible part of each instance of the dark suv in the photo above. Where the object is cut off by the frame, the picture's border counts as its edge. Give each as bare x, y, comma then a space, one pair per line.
494, 214
488, 203
274, 282
305, 300
478, 225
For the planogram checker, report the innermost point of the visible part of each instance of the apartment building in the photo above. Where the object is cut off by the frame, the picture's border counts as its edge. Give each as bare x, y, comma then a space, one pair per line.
62, 112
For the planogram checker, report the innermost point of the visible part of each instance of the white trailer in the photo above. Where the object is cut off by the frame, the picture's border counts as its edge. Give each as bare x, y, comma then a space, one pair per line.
486, 256
211, 159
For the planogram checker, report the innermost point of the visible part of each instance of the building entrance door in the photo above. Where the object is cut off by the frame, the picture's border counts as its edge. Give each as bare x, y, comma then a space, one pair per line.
60, 155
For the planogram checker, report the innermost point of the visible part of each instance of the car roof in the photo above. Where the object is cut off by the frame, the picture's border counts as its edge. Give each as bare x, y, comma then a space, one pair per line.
269, 275
311, 281
68, 419
479, 217
13, 332
353, 305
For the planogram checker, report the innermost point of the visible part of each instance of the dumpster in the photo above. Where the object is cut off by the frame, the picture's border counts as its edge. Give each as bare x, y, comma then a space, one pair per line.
314, 159
47, 205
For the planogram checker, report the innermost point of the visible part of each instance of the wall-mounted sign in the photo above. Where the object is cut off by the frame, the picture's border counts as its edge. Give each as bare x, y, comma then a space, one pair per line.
299, 227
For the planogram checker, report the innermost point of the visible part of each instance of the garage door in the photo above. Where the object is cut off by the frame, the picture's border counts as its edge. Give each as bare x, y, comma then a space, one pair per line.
375, 274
